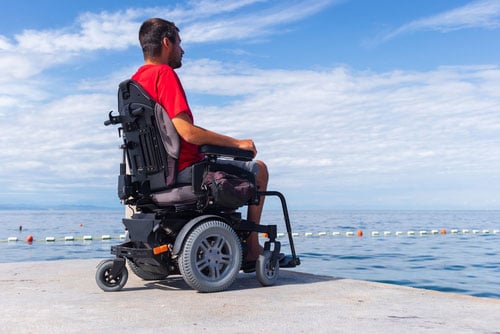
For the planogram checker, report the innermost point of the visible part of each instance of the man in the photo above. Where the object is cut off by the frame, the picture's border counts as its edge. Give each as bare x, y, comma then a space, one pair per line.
160, 44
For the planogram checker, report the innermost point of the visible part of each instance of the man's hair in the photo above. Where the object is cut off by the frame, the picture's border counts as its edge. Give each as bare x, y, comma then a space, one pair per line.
151, 36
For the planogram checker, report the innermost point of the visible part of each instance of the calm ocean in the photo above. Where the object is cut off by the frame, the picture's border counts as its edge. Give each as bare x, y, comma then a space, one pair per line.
398, 247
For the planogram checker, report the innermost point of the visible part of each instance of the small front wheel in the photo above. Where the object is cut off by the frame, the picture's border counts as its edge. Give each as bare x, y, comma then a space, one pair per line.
106, 280
266, 272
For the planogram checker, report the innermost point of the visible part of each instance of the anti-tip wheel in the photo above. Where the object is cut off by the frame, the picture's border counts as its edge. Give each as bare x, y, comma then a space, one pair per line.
106, 280
267, 274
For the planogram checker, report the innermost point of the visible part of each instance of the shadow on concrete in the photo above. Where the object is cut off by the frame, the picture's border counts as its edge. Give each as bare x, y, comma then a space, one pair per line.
242, 282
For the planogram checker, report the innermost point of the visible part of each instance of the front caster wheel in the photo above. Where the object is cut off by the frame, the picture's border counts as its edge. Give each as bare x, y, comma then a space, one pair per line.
106, 280
266, 272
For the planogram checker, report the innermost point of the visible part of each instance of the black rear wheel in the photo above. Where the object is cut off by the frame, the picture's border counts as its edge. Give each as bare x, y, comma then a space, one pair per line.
211, 256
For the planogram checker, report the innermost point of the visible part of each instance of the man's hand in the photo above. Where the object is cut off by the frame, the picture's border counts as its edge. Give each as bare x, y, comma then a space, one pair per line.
248, 145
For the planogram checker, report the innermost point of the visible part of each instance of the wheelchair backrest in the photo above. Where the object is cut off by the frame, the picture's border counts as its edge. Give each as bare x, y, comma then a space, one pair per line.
150, 140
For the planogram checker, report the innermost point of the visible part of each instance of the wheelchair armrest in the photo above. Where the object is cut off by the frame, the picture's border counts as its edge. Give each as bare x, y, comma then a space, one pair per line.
235, 153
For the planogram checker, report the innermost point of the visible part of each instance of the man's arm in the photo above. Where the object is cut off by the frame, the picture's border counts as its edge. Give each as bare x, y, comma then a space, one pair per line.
196, 135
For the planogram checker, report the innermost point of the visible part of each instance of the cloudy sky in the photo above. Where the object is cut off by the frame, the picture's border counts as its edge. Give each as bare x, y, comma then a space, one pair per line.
353, 104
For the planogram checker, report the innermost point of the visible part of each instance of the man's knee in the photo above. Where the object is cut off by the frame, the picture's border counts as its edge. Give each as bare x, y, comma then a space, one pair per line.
263, 174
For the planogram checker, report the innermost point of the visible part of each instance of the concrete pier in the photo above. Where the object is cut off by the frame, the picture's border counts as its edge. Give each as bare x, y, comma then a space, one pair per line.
62, 297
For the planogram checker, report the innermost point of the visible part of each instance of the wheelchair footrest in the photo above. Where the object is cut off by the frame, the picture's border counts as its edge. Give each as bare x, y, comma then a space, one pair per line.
289, 261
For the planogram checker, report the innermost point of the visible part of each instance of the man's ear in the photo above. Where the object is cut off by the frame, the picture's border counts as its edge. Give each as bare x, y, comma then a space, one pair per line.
166, 42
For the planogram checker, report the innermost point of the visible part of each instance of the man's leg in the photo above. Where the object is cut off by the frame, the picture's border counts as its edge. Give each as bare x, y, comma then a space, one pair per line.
255, 212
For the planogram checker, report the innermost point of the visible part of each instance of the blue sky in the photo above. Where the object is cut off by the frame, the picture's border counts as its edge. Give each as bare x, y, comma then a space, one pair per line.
353, 104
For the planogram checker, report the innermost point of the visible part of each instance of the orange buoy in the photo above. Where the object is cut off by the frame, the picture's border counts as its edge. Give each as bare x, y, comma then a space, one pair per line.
29, 238
360, 233
443, 231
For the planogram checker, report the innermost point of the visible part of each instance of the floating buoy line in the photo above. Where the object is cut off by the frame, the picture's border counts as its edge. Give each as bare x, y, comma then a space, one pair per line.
31, 239
359, 233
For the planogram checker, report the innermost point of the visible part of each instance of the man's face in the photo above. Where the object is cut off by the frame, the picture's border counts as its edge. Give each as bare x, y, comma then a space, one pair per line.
175, 53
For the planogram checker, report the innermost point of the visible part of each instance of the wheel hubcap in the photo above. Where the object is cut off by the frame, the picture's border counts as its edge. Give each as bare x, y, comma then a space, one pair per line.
214, 255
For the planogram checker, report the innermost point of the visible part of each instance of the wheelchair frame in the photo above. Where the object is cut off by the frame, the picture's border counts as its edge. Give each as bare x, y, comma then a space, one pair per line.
195, 238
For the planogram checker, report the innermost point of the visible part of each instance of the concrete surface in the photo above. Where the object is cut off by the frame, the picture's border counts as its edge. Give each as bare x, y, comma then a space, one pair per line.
62, 297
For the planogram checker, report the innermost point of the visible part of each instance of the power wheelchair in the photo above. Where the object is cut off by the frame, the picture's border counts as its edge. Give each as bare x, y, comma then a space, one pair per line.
180, 228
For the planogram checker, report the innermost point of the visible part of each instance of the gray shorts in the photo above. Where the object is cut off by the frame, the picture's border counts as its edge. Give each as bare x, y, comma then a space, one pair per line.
185, 175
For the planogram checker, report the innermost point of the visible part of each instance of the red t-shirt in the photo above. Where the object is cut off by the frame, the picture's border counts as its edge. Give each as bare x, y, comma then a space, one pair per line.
163, 85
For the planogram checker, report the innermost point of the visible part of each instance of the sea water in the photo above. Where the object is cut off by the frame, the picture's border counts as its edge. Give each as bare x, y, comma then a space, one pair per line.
453, 251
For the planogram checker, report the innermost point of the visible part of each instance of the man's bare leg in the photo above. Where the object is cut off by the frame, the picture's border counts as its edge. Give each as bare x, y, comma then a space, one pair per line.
255, 212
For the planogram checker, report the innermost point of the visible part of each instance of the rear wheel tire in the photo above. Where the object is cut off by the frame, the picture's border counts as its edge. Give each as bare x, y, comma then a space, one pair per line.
211, 256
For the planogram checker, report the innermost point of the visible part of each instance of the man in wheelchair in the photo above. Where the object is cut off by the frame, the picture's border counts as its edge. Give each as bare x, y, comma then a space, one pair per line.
181, 226
163, 53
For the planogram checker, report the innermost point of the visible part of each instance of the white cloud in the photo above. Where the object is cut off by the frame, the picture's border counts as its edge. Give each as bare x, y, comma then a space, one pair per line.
205, 8
484, 14
251, 25
41, 50
51, 121
203, 21
330, 131
346, 124
32, 52
357, 132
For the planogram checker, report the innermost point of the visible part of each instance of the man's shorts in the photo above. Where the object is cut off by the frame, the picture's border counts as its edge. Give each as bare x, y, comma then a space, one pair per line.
185, 175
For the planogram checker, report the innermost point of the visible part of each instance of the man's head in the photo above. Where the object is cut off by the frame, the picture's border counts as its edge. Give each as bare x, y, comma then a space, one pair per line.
160, 42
